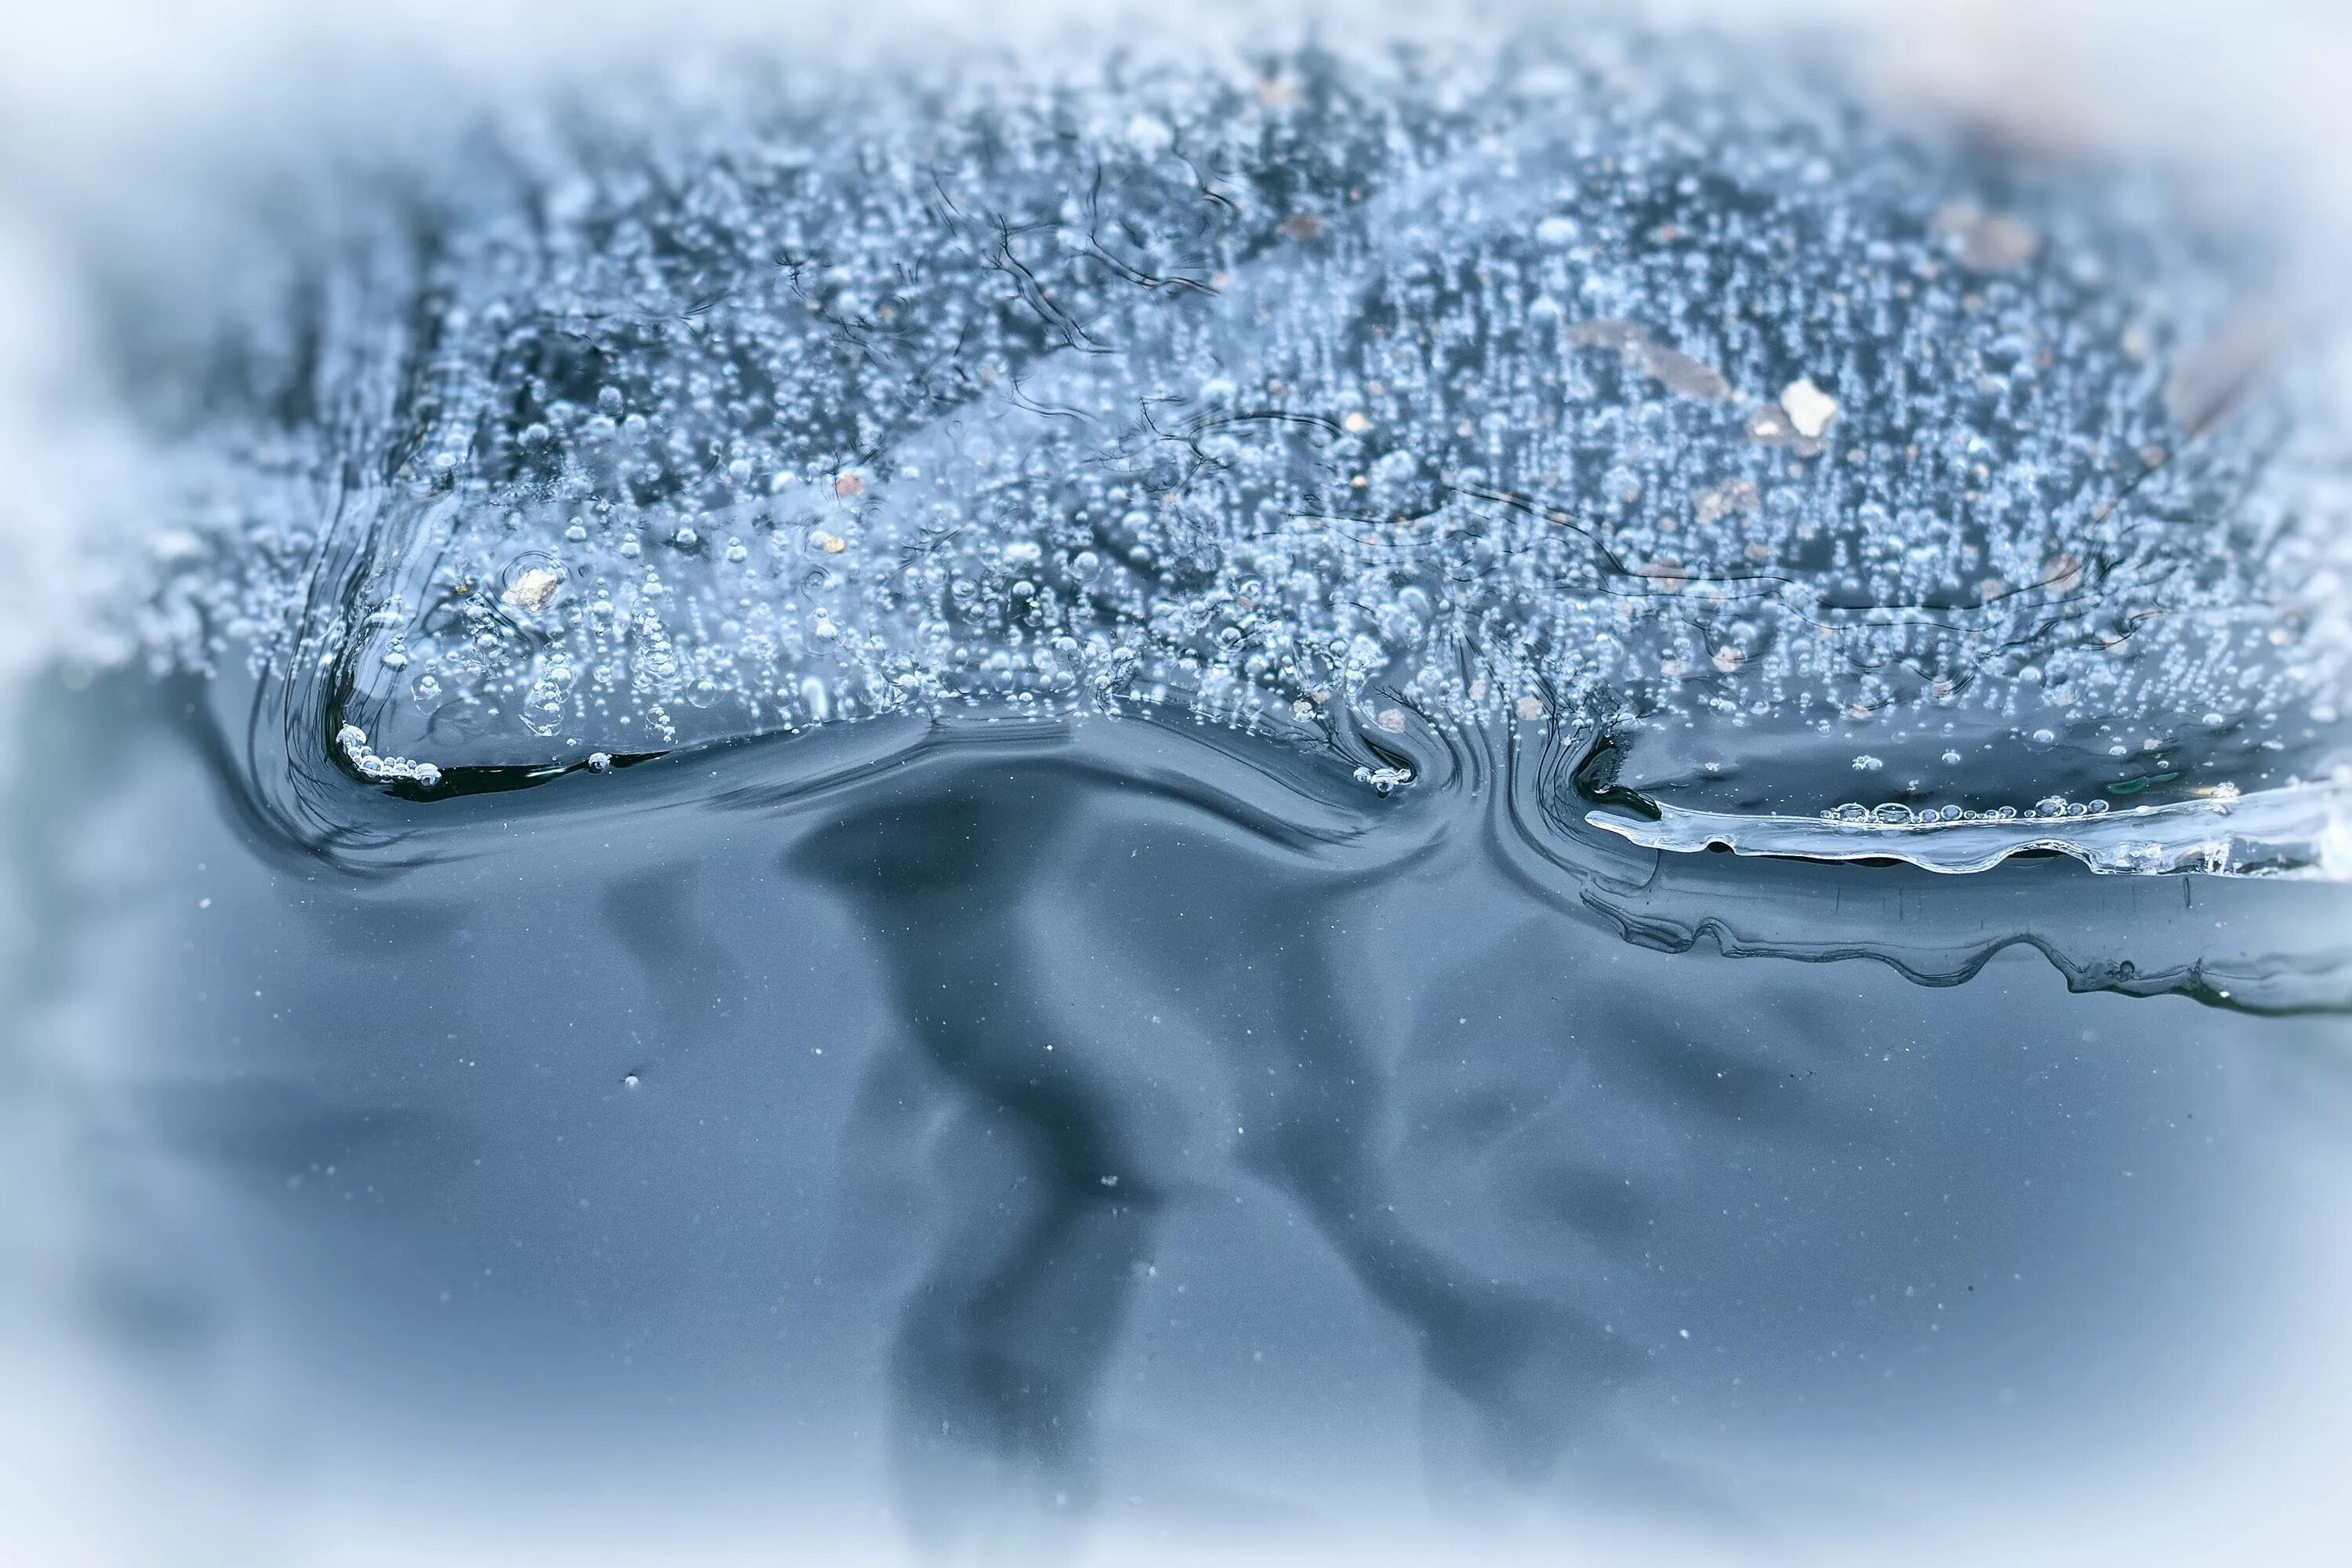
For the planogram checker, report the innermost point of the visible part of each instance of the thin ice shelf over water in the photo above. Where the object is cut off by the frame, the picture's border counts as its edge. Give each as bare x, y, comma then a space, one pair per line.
1830, 488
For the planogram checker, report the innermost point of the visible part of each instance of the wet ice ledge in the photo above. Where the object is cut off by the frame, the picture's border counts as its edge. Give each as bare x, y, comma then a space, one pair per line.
2302, 830
1261, 478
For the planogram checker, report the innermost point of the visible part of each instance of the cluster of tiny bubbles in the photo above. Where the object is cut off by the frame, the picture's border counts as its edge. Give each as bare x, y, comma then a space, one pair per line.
351, 742
1685, 397
1896, 814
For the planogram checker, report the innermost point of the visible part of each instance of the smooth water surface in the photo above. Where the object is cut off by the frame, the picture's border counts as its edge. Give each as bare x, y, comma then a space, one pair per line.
1115, 1143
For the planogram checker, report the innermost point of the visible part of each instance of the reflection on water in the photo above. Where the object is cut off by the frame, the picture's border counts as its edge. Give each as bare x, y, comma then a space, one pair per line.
1111, 1141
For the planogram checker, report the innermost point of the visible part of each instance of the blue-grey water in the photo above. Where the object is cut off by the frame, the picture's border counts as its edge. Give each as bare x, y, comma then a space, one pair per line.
1114, 1145
1012, 839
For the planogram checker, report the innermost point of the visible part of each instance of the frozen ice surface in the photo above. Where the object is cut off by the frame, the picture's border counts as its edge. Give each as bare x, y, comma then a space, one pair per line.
1826, 486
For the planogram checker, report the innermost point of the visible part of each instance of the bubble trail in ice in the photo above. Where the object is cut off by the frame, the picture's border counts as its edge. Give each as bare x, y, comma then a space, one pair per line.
1830, 489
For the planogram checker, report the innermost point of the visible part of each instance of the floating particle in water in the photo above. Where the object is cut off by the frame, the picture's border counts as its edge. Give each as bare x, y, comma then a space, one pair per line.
1809, 408
533, 589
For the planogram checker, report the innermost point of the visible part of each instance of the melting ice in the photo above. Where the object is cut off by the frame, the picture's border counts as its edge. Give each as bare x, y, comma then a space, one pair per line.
1824, 487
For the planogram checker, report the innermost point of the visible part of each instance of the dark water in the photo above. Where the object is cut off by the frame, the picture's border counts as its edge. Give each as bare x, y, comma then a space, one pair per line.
1117, 1141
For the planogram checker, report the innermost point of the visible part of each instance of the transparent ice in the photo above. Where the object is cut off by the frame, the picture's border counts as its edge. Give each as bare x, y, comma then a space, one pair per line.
1826, 487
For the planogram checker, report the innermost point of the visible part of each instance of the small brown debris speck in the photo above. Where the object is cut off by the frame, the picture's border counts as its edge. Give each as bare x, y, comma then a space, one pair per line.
1303, 226
1669, 575
1728, 659
1987, 242
848, 485
1677, 371
1723, 499
1682, 373
2209, 379
1392, 720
